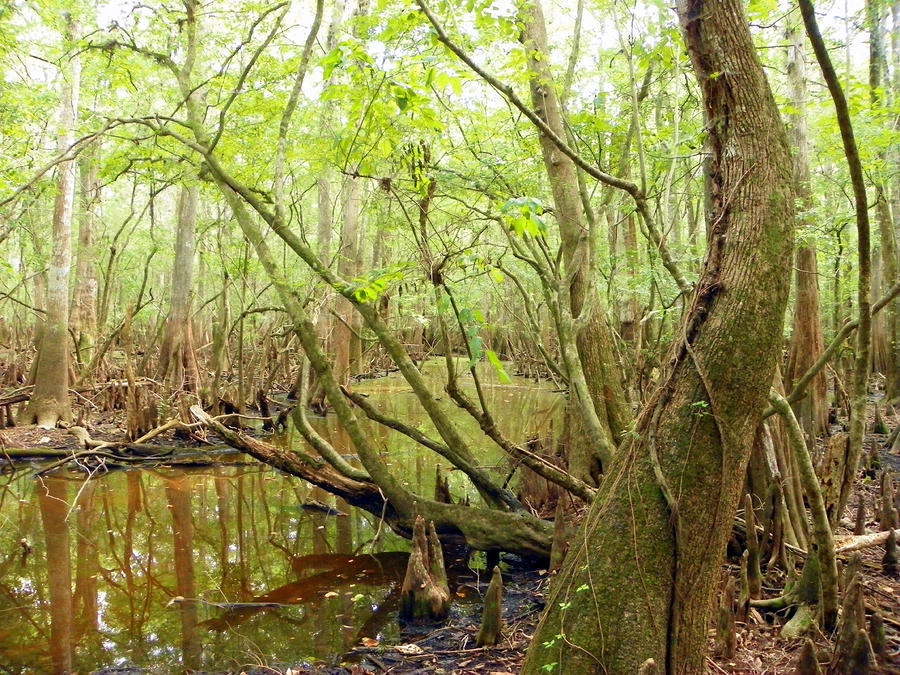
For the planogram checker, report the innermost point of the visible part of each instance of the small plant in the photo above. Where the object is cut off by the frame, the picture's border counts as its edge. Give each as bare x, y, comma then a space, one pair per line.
552, 641
700, 408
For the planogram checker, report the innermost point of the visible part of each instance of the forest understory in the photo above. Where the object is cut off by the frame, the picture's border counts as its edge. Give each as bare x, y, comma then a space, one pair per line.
101, 445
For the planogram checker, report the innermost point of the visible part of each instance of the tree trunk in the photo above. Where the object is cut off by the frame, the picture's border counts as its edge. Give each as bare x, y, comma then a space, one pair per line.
50, 402
346, 342
885, 265
177, 360
807, 338
84, 298
641, 578
594, 343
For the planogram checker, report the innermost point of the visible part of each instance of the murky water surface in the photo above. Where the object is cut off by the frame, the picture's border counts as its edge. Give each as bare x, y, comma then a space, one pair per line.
221, 568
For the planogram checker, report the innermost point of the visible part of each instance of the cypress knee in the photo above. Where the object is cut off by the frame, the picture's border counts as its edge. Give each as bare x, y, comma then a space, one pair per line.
726, 631
425, 595
877, 635
807, 664
492, 618
859, 526
889, 563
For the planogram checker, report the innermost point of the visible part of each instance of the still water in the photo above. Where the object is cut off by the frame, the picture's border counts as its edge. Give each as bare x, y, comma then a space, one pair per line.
220, 568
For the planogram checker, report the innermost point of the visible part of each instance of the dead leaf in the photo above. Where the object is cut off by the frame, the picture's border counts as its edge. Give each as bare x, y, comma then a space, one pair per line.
410, 649
331, 594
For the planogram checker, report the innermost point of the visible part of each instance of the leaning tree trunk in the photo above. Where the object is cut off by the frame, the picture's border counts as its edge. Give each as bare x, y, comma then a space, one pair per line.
50, 402
640, 578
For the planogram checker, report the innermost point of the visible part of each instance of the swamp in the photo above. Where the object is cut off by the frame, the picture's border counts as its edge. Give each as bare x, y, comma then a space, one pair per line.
418, 336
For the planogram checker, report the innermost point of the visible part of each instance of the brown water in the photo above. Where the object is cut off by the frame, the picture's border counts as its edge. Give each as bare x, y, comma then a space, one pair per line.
217, 569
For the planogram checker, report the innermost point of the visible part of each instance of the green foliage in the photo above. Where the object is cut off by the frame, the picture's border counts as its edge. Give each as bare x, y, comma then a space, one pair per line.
374, 284
523, 215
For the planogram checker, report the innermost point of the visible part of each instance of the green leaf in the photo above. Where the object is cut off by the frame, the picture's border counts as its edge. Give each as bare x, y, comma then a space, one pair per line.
498, 366
476, 346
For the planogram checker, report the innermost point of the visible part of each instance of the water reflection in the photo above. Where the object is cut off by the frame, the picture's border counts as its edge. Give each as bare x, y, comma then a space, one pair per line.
217, 568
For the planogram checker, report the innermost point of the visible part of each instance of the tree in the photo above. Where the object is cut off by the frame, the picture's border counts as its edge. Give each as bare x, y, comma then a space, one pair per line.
50, 402
640, 581
599, 401
807, 339
177, 360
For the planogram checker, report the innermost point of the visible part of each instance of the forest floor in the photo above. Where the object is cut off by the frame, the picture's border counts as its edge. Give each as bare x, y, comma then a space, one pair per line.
449, 649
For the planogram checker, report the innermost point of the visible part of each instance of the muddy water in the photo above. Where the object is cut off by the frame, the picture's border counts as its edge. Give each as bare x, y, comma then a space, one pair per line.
221, 568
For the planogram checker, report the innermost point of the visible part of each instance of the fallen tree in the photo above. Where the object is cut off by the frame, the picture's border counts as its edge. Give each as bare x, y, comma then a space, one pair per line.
480, 528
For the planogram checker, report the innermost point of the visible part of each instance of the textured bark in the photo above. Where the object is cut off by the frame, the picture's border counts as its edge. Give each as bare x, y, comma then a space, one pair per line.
177, 360
492, 616
50, 402
84, 298
425, 596
640, 578
807, 339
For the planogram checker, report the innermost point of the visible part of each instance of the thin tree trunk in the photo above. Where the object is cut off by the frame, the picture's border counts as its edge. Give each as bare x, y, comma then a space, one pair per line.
807, 338
84, 298
606, 414
861, 206
347, 265
177, 360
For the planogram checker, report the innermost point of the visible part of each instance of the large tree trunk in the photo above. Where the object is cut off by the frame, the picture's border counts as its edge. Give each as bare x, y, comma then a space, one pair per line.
640, 578
50, 402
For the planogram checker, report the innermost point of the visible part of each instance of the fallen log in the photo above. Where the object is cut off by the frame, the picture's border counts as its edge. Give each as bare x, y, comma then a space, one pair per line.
481, 528
856, 543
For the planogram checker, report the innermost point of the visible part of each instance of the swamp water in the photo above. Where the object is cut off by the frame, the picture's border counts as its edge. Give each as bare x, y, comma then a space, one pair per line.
226, 567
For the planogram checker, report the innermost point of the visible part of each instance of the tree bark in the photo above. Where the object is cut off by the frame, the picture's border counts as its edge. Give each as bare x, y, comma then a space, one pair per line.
50, 402
807, 338
177, 360
640, 579
84, 298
